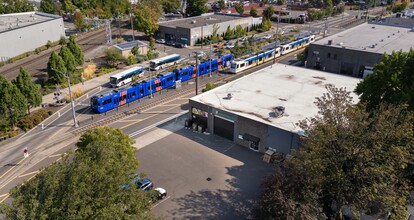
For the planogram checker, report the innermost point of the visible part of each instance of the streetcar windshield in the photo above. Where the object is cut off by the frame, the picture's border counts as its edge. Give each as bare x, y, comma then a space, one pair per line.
94, 102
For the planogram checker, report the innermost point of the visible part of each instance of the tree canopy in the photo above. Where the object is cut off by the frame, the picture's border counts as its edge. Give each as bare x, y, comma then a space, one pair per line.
253, 12
56, 63
15, 6
87, 184
239, 7
13, 104
68, 58
348, 158
147, 14
170, 5
268, 12
28, 89
196, 7
76, 50
392, 81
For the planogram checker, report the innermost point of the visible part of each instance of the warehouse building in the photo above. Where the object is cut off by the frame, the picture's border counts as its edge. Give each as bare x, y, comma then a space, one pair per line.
355, 51
261, 110
189, 30
24, 32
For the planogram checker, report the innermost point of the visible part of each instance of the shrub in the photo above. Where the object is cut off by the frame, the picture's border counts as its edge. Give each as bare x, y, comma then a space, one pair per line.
75, 94
28, 122
105, 70
89, 72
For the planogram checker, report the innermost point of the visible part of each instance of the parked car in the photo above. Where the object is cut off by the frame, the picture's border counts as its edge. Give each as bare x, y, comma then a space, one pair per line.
145, 184
142, 183
160, 41
218, 44
161, 193
229, 45
201, 54
180, 45
170, 43
267, 36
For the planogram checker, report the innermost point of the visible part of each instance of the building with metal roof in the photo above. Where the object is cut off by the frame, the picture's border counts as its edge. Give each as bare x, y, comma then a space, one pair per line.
126, 47
356, 50
189, 30
23, 32
261, 110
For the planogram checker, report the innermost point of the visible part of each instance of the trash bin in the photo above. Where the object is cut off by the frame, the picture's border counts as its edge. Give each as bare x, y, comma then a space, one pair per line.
201, 128
188, 123
195, 126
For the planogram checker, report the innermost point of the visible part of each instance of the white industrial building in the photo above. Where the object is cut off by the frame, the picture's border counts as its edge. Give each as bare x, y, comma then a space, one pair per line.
23, 32
261, 110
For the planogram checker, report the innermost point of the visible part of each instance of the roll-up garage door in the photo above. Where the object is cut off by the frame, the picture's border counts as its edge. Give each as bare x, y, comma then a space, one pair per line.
224, 127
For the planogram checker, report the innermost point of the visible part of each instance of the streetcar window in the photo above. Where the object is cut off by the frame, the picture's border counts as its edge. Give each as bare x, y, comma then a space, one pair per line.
106, 101
132, 94
141, 91
94, 102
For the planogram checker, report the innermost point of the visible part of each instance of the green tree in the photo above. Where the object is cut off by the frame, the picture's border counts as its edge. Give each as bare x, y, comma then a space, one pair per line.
281, 2
196, 7
147, 14
344, 161
392, 81
47, 6
268, 12
239, 7
62, 41
67, 5
328, 5
135, 51
228, 34
87, 184
221, 4
253, 12
113, 57
79, 21
240, 31
266, 24
12, 103
170, 5
28, 89
68, 58
56, 63
76, 50
214, 33
15, 6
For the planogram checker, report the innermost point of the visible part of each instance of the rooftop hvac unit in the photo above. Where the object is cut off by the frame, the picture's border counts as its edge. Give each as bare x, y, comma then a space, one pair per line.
279, 111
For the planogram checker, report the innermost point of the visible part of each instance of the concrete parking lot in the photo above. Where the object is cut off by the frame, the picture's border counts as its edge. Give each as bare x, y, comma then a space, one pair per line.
206, 176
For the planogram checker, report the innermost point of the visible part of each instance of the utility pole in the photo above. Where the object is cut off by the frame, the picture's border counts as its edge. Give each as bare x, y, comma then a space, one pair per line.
202, 37
196, 79
150, 84
75, 124
132, 26
209, 74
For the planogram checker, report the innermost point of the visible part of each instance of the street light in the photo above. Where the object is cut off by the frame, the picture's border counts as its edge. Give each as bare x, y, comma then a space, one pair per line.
75, 124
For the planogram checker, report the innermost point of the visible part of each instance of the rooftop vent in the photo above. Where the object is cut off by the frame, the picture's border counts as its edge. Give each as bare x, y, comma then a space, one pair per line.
229, 95
340, 44
279, 111
373, 27
193, 21
330, 42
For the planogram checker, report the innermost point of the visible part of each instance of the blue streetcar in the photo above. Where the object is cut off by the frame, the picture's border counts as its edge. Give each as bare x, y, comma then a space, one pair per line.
105, 102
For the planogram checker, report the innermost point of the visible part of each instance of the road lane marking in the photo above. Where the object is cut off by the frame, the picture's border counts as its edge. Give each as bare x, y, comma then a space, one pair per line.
172, 105
27, 174
130, 120
7, 196
153, 115
56, 155
39, 146
4, 195
11, 168
57, 132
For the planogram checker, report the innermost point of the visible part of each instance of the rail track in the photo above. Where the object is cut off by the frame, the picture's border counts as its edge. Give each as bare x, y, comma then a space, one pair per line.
37, 63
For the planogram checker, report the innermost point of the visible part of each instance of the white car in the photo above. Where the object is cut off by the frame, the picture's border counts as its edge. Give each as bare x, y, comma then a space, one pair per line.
267, 36
160, 41
162, 193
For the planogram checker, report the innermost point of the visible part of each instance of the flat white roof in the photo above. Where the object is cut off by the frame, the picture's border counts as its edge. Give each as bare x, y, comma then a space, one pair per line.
295, 88
19, 20
376, 38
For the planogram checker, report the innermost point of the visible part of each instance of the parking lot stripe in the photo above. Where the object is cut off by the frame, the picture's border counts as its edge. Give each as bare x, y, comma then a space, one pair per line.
160, 202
